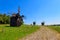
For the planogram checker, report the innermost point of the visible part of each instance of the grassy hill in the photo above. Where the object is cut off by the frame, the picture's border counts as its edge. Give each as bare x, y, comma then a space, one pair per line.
14, 33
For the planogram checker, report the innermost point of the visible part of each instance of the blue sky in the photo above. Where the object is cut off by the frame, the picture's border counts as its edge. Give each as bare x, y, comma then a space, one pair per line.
34, 10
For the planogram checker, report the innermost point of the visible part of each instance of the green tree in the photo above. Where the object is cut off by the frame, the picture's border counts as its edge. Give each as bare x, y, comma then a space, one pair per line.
42, 23
4, 19
34, 23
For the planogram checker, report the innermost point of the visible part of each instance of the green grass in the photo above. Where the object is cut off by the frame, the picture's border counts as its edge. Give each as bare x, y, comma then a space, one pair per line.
14, 33
57, 28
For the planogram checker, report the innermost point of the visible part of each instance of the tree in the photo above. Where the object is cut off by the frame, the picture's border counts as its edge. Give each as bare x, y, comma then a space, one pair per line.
8, 19
42, 23
1, 18
34, 23
4, 19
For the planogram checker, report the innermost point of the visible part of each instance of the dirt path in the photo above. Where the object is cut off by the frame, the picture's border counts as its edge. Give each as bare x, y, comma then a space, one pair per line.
43, 33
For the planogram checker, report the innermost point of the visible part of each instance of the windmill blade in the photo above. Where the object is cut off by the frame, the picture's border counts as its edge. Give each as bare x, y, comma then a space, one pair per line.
24, 17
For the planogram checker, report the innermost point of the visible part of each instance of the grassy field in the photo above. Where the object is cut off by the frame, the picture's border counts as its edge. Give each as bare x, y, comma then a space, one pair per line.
15, 33
57, 28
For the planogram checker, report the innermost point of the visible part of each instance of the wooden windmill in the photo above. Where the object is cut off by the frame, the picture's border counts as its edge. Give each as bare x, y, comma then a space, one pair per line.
16, 19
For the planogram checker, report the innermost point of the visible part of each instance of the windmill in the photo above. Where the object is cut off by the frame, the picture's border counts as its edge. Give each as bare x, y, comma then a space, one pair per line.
16, 19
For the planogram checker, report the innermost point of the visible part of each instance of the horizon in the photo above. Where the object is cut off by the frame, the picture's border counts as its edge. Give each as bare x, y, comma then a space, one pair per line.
47, 11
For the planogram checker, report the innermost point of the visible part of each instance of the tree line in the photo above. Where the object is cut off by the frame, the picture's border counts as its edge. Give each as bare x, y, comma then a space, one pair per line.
4, 19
